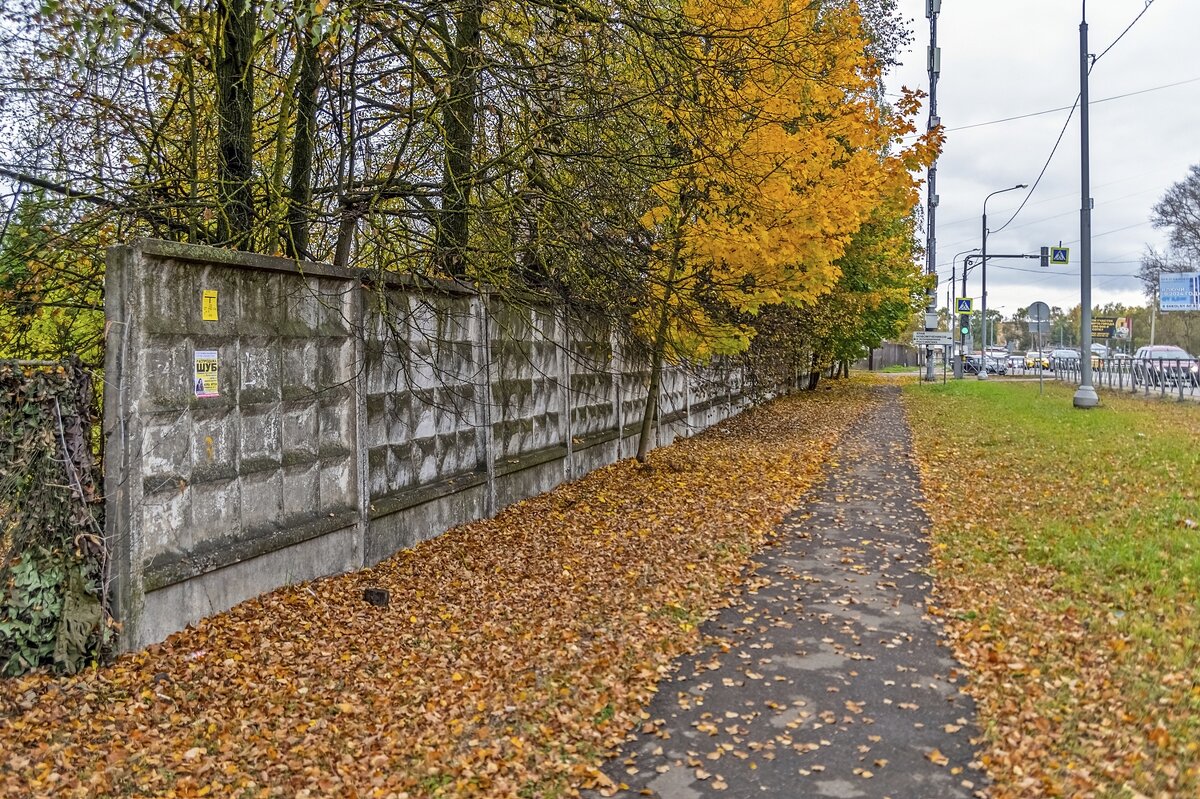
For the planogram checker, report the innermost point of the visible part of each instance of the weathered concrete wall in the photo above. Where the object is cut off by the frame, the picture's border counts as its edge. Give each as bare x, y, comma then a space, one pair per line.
891, 353
348, 420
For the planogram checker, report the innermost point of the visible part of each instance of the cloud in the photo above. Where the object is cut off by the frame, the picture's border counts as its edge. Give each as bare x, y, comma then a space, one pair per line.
1018, 57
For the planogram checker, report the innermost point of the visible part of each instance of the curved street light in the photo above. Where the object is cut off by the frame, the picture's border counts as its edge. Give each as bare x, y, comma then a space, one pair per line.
983, 263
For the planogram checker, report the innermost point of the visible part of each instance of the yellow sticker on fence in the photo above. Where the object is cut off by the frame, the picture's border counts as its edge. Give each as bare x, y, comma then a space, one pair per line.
208, 305
206, 374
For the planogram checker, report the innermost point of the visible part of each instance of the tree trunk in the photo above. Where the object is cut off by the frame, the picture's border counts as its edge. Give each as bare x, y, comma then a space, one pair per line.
235, 118
464, 58
345, 239
651, 413
300, 182
658, 351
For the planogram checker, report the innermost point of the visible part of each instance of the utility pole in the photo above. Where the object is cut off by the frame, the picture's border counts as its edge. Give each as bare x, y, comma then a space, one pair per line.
1154, 310
932, 9
983, 259
964, 321
1085, 395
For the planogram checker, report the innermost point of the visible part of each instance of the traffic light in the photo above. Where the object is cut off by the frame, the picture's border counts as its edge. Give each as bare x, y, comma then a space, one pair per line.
964, 323
1045, 256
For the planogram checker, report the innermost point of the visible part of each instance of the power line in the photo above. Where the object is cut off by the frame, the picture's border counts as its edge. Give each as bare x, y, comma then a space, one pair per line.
1143, 223
974, 218
1065, 107
1122, 36
1073, 241
1061, 133
1051, 273
1045, 166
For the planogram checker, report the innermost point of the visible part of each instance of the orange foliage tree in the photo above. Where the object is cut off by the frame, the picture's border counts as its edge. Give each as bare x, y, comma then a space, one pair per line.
784, 152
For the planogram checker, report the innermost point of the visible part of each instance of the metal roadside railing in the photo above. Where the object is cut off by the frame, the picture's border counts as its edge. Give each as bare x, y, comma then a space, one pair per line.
1174, 377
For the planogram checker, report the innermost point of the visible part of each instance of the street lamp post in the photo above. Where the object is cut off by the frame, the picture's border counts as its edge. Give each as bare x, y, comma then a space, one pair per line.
983, 299
954, 317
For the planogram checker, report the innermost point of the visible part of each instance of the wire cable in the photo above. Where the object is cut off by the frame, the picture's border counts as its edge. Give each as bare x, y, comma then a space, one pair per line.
1045, 166
1065, 107
1122, 36
1063, 132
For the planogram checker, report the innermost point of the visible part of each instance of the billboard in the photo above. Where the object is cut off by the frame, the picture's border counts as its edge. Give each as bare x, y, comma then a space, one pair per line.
1112, 327
1179, 291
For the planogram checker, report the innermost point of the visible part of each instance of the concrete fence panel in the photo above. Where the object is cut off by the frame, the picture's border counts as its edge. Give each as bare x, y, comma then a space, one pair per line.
269, 421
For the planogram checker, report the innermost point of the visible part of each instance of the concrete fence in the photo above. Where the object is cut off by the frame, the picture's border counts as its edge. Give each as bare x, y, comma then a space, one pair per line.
269, 421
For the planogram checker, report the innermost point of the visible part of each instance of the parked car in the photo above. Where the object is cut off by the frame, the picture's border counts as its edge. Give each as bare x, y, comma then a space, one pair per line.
1161, 364
1034, 358
1062, 358
995, 366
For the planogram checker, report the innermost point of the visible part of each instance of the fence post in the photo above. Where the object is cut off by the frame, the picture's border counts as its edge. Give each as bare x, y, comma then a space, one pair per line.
564, 379
658, 403
483, 390
122, 306
618, 368
687, 400
358, 321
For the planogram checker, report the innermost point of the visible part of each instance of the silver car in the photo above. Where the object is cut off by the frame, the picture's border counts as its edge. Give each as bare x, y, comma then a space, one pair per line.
1161, 364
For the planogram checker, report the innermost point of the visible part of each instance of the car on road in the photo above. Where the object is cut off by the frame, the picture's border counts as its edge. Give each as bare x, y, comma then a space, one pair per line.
1161, 364
972, 365
995, 366
1034, 358
1063, 358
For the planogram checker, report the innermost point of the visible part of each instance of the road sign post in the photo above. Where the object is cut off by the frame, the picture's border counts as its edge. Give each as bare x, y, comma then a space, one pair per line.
1039, 312
933, 338
962, 307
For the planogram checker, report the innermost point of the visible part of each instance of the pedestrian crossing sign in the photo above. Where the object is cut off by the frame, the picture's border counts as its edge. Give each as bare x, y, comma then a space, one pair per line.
964, 304
1060, 256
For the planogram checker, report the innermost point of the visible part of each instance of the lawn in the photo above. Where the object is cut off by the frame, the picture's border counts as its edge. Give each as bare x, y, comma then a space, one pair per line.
1068, 562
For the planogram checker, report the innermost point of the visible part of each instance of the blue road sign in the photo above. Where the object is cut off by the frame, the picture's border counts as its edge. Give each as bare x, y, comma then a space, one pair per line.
963, 304
1060, 256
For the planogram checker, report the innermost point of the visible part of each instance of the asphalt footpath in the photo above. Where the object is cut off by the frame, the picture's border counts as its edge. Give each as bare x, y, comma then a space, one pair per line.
825, 677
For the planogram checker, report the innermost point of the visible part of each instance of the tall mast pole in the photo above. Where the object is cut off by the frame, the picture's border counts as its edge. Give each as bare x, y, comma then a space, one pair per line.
932, 9
1085, 395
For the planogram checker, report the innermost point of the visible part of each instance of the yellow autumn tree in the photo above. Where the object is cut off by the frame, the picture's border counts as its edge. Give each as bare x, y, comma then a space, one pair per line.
784, 152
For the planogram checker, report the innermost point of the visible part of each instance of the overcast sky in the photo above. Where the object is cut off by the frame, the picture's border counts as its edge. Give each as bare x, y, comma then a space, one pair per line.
1010, 58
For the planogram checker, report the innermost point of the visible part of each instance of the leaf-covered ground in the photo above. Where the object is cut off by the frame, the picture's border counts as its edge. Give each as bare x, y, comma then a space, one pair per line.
514, 653
1068, 560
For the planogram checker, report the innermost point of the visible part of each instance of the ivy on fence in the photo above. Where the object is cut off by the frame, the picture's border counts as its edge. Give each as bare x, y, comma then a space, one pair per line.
52, 555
